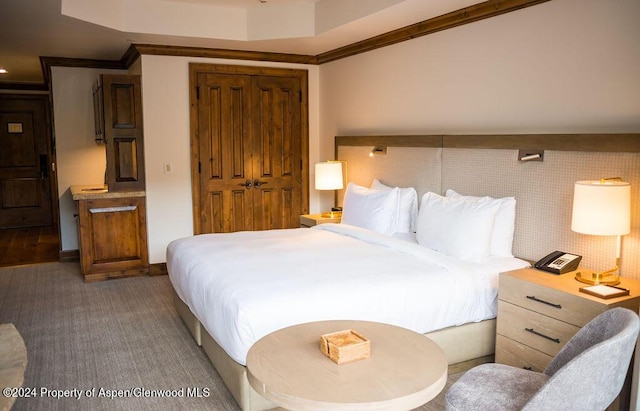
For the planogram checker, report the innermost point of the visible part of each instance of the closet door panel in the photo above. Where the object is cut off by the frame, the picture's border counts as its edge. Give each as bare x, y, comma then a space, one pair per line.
225, 153
277, 167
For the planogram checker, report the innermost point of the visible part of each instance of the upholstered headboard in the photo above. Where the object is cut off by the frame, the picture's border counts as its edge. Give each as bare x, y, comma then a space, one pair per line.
489, 165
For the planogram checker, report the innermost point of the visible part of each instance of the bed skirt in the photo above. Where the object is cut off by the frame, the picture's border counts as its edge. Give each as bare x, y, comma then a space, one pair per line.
465, 346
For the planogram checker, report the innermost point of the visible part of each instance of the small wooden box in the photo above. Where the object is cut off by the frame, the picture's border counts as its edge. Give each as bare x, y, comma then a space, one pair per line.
345, 346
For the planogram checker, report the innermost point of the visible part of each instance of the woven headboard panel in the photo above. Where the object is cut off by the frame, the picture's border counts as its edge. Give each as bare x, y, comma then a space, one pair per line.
543, 190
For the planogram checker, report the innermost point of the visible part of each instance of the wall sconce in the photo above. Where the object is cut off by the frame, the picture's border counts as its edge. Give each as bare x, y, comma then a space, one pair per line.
530, 155
602, 207
378, 151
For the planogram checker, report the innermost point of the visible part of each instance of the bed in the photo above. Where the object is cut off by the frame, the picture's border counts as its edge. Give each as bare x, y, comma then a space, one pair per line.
432, 270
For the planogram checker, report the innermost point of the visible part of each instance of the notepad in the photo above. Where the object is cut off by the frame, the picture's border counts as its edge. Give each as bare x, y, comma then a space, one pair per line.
605, 291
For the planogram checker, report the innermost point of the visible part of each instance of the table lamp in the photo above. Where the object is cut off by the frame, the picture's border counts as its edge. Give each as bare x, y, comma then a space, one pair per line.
602, 207
329, 177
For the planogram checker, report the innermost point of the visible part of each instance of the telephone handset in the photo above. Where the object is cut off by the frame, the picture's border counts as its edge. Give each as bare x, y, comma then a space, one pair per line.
559, 262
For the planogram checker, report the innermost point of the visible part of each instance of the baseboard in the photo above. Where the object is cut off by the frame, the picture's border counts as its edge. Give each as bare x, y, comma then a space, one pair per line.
69, 256
158, 269
74, 255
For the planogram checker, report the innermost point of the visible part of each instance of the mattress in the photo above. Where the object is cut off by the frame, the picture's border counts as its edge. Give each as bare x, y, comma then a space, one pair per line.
245, 285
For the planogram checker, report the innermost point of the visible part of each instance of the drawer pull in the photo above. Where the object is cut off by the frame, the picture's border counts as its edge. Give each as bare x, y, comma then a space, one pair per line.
532, 331
112, 209
534, 298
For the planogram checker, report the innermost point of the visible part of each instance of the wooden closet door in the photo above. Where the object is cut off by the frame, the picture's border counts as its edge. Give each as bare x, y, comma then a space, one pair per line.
249, 148
277, 158
225, 150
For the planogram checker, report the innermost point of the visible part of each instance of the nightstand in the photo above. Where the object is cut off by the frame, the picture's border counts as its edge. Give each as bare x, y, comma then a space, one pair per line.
539, 312
309, 220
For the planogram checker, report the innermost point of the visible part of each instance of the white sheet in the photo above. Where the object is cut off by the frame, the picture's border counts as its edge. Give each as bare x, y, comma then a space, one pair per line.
245, 285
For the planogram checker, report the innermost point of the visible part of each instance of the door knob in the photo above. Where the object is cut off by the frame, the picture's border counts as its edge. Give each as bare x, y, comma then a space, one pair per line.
246, 184
257, 183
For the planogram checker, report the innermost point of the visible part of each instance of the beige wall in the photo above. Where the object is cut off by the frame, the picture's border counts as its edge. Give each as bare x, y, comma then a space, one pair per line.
561, 66
79, 159
165, 96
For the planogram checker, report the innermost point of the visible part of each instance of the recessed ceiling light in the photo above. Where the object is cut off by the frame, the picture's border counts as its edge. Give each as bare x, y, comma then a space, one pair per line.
3, 70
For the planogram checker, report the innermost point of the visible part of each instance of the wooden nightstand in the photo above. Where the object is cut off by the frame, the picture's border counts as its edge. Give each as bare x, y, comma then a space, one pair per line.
309, 220
539, 312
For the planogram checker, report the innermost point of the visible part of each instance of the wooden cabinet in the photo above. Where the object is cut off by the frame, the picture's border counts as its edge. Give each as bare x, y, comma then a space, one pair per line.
113, 237
539, 312
112, 224
118, 123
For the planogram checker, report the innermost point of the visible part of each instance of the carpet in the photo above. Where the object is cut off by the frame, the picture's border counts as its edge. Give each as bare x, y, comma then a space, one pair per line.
90, 344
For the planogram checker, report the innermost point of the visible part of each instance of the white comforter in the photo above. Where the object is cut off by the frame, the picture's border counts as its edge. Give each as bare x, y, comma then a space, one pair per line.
245, 285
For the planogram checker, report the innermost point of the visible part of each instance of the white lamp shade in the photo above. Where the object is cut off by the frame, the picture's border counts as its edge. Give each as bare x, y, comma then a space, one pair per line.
329, 175
601, 208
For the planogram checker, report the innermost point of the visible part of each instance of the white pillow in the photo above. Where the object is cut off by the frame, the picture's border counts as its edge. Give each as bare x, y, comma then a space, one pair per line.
456, 227
371, 209
407, 208
504, 226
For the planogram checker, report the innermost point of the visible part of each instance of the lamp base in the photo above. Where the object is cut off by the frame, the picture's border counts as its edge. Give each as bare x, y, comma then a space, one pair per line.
332, 214
590, 277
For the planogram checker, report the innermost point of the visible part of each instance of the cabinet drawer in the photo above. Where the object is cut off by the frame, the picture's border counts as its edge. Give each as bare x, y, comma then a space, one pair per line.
554, 303
533, 329
513, 353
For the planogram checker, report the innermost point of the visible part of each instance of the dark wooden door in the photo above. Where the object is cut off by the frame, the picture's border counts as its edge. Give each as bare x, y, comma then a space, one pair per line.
25, 172
251, 151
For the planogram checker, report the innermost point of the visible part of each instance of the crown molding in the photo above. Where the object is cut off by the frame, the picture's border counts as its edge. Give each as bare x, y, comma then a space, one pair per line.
135, 50
456, 18
47, 62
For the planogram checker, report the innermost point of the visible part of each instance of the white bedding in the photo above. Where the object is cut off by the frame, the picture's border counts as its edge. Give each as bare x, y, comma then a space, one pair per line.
245, 285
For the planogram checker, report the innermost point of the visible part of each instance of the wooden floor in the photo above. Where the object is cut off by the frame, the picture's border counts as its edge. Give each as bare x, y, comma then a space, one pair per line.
20, 246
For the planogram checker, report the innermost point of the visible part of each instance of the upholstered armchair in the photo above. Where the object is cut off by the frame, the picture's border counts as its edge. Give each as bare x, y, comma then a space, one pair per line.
587, 374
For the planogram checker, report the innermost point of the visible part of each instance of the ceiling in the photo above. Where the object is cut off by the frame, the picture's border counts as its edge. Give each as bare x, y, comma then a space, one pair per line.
104, 29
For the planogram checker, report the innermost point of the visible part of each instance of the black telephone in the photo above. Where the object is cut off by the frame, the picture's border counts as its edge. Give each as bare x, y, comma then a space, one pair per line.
559, 262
